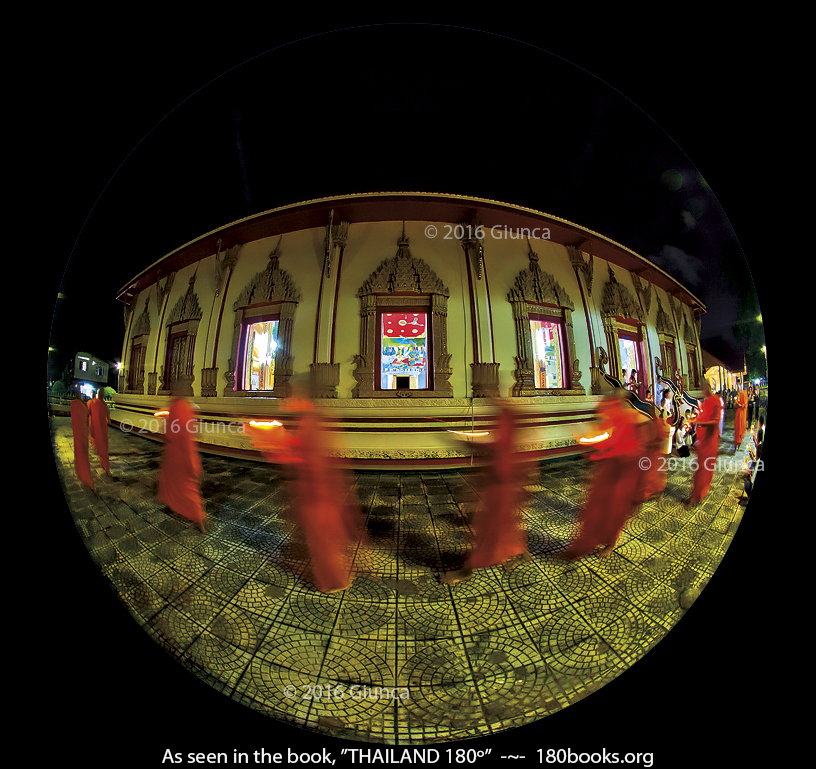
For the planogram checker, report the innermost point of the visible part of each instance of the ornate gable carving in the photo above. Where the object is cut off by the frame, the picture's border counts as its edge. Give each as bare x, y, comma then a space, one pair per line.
617, 301
142, 325
538, 287
271, 285
403, 273
643, 291
187, 307
587, 267
663, 323
224, 260
688, 330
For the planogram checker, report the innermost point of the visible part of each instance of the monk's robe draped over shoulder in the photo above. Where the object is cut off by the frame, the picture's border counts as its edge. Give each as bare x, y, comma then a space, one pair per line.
80, 428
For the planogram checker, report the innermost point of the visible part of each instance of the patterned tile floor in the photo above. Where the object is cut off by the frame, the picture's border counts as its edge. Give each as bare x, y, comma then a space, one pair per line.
502, 649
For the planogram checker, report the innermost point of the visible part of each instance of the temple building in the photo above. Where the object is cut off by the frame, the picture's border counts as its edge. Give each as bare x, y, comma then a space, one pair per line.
404, 315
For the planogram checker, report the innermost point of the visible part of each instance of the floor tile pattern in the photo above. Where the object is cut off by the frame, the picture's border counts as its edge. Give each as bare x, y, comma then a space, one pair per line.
398, 658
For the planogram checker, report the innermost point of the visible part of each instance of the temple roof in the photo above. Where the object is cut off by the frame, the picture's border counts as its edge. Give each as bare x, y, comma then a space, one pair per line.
407, 206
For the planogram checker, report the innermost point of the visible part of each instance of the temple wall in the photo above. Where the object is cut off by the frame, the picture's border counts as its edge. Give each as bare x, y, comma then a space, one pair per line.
384, 431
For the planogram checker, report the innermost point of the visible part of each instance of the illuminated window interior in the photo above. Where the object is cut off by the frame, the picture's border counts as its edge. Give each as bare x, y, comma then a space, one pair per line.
547, 342
404, 351
261, 343
629, 360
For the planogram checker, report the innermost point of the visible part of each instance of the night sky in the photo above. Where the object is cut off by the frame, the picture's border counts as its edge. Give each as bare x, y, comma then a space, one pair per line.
152, 136
154, 148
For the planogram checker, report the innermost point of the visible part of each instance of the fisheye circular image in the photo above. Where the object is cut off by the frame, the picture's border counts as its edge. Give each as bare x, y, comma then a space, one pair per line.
407, 385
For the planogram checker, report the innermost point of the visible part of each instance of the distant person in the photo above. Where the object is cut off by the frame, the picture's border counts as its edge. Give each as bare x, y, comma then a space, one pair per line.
179, 485
753, 402
99, 420
80, 429
708, 444
740, 417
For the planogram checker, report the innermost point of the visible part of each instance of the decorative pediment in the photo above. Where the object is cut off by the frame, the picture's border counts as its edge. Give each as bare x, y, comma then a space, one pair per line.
577, 261
688, 330
224, 260
644, 291
271, 285
403, 273
663, 324
617, 300
187, 307
538, 287
142, 325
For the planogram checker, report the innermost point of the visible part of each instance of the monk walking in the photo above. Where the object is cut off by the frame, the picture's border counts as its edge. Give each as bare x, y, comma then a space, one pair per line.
330, 525
497, 525
180, 472
79, 427
615, 484
652, 482
707, 444
740, 418
99, 420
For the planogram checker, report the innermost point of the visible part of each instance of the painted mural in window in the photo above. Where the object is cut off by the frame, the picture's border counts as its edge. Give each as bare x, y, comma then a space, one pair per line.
548, 353
259, 365
404, 351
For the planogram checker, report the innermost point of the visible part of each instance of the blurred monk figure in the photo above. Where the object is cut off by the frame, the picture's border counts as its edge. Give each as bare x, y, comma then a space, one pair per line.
99, 420
741, 405
330, 525
80, 428
652, 481
497, 524
707, 444
180, 473
615, 483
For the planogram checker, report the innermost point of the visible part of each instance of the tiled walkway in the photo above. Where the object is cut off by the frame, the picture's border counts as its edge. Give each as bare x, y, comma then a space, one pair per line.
504, 648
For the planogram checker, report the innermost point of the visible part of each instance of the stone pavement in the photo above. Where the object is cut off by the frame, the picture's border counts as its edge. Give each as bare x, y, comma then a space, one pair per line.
398, 658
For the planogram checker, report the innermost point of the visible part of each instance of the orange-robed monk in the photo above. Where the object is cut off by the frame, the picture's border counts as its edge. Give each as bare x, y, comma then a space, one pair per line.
79, 427
180, 473
497, 526
615, 483
99, 419
652, 480
329, 523
707, 445
740, 418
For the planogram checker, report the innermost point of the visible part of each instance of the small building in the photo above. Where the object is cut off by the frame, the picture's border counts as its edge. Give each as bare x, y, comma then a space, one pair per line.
89, 374
404, 315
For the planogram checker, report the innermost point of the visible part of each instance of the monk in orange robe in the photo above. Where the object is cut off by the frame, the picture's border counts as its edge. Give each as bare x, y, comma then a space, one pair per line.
740, 418
497, 524
707, 444
99, 419
180, 472
615, 483
652, 481
330, 525
79, 426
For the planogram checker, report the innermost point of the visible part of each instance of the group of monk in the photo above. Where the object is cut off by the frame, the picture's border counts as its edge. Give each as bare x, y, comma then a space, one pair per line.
627, 448
89, 423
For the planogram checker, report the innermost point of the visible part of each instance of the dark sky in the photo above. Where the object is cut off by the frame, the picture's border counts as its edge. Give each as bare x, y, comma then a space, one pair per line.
143, 143
154, 146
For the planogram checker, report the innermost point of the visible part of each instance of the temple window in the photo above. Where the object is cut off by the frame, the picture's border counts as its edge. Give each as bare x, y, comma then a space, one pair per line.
404, 351
403, 331
260, 343
549, 361
546, 363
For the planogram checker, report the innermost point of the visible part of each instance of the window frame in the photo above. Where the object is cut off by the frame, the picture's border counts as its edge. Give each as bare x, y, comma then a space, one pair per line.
247, 322
428, 348
562, 345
